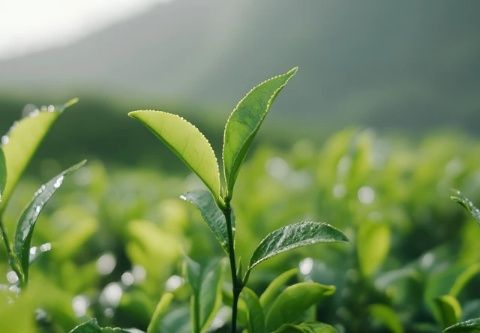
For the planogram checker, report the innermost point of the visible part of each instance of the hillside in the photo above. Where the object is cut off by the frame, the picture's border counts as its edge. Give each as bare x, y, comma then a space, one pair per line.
381, 63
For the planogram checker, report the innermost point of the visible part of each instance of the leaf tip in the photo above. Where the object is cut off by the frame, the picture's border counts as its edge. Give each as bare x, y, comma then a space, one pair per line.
293, 71
71, 102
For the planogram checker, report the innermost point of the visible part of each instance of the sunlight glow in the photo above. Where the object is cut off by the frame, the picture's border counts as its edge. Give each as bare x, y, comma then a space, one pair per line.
28, 25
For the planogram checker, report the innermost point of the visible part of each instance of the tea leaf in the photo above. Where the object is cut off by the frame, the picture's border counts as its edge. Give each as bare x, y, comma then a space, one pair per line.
206, 284
275, 288
294, 301
307, 328
468, 326
26, 224
293, 236
467, 204
387, 316
448, 310
21, 142
255, 315
187, 142
245, 121
160, 311
373, 244
211, 214
91, 326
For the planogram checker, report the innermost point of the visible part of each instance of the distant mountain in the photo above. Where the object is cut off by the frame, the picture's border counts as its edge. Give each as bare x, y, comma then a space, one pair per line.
401, 64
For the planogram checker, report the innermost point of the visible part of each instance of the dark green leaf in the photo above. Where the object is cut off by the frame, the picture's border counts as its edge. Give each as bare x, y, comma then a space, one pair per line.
245, 121
26, 224
211, 214
187, 142
464, 278
448, 310
469, 326
293, 236
91, 326
161, 310
206, 284
255, 315
21, 142
387, 316
467, 204
291, 305
307, 328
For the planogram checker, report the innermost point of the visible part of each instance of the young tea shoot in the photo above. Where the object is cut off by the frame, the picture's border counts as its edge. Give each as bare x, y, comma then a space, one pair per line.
193, 148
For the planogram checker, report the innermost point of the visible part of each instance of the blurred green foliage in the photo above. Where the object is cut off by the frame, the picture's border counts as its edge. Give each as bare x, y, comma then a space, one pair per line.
118, 235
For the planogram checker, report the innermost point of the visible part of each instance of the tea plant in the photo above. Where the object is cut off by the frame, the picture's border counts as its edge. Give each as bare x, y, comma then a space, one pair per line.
191, 146
16, 150
451, 306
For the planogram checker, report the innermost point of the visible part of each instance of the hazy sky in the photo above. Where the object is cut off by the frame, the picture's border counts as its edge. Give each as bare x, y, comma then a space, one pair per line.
30, 25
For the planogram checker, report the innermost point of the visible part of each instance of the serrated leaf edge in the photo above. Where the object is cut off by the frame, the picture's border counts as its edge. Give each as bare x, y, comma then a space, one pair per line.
216, 192
296, 245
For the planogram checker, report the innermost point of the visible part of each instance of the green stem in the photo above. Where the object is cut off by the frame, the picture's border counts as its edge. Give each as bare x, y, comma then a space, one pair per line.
236, 284
11, 255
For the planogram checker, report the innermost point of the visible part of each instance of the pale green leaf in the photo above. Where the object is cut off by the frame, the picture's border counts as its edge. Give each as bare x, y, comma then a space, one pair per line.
294, 236
206, 284
160, 311
187, 142
291, 305
211, 214
245, 121
275, 288
373, 244
21, 142
91, 326
26, 223
448, 310
255, 315
467, 204
468, 326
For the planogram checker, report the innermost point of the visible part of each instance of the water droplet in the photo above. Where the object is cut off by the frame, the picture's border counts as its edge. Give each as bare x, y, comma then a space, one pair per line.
5, 139
106, 263
108, 312
339, 191
278, 168
111, 294
173, 283
366, 195
28, 109
80, 304
45, 247
12, 277
127, 279
38, 209
58, 182
139, 273
51, 108
306, 266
